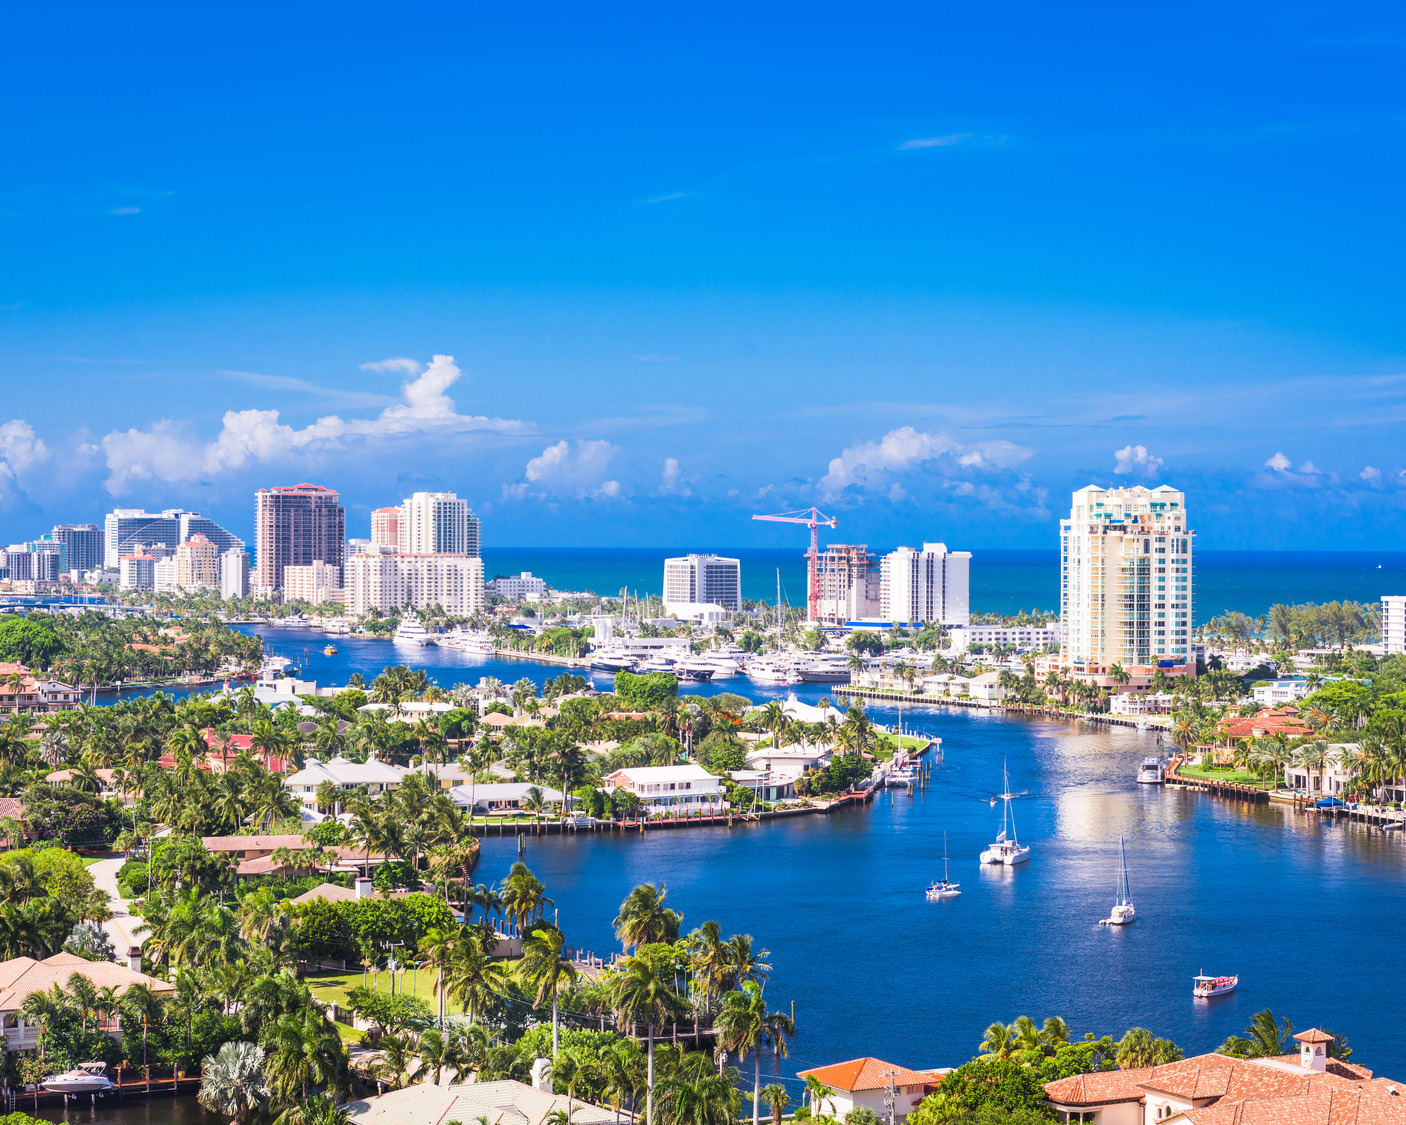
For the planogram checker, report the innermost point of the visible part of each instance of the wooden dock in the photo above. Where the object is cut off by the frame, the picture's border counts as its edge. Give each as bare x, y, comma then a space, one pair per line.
130, 1084
1231, 789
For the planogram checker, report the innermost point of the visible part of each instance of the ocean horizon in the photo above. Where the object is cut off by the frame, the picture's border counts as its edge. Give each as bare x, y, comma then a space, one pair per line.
1002, 581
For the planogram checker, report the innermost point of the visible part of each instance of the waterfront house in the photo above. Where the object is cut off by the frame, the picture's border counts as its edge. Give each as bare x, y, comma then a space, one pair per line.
1332, 780
225, 748
1269, 693
377, 776
1267, 723
23, 692
865, 1083
671, 788
21, 977
504, 1102
986, 687
501, 797
1309, 1086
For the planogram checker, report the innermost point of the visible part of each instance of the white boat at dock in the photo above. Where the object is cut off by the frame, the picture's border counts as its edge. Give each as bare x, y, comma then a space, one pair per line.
1204, 987
85, 1078
693, 668
608, 660
1007, 849
824, 670
769, 672
1122, 912
411, 633
1153, 771
944, 887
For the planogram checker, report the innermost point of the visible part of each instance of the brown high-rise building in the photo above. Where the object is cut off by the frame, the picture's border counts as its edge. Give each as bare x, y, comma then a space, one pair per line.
297, 525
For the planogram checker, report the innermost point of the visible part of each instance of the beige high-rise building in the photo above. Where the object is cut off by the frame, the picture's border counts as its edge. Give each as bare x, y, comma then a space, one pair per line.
198, 564
315, 583
1126, 579
385, 528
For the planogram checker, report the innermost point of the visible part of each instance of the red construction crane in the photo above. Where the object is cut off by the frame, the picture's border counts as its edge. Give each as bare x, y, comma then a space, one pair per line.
811, 518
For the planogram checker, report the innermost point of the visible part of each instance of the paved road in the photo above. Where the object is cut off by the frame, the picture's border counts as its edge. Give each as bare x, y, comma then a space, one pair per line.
122, 927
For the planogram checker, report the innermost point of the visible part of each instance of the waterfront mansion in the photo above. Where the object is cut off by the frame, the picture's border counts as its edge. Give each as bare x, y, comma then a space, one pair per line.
682, 789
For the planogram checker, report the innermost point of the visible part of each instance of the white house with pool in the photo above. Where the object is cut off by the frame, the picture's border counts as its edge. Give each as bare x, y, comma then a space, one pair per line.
671, 788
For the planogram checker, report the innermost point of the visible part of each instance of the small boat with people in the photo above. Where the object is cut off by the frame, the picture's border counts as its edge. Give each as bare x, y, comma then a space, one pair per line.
1007, 849
330, 650
944, 887
1153, 771
1204, 987
1122, 912
85, 1078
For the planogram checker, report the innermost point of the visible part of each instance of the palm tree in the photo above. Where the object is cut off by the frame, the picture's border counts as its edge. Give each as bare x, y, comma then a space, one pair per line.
1139, 1048
744, 1024
776, 1099
524, 896
711, 1100
1263, 1039
644, 918
474, 979
642, 993
543, 968
820, 1094
999, 1042
437, 948
232, 1081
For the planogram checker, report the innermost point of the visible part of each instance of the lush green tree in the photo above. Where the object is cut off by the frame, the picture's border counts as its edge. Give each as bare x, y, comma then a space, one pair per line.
647, 692
232, 1082
1265, 1038
31, 641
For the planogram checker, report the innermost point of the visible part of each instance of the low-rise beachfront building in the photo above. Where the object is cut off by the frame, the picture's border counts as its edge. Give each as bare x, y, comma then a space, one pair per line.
1271, 693
1332, 779
500, 797
23, 692
1024, 638
688, 788
21, 977
1310, 1086
865, 1083
375, 775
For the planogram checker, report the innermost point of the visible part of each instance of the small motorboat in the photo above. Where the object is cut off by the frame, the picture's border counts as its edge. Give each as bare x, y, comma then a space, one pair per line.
1122, 912
330, 650
1204, 987
944, 887
85, 1078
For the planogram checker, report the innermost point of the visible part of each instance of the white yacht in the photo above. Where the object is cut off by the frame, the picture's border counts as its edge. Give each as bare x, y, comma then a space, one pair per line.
1007, 848
85, 1078
608, 660
824, 670
723, 663
655, 664
1152, 772
1122, 912
944, 887
411, 633
694, 668
771, 672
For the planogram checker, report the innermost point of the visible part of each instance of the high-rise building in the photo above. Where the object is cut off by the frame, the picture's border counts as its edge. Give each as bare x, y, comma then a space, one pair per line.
930, 586
695, 579
382, 582
1393, 623
234, 573
315, 583
198, 564
437, 523
47, 562
1126, 579
385, 528
137, 572
297, 525
847, 584
20, 562
82, 545
163, 573
125, 529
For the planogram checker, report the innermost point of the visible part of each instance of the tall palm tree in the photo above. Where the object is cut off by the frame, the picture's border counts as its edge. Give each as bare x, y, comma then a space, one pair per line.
744, 1024
642, 992
644, 918
524, 896
710, 1100
544, 969
1265, 1038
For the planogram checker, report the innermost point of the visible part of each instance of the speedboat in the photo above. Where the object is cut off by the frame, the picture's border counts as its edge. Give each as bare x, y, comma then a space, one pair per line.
1204, 987
1122, 912
85, 1078
411, 632
1151, 772
1007, 849
330, 650
944, 887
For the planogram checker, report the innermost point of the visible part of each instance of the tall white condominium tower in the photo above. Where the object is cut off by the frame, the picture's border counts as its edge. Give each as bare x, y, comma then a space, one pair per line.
436, 523
1125, 578
1393, 623
699, 579
928, 586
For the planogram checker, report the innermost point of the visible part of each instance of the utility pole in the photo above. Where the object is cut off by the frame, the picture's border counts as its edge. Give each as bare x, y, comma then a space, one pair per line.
889, 1097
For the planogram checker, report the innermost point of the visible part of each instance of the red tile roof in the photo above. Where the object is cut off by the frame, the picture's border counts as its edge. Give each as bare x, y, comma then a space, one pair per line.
868, 1074
1282, 720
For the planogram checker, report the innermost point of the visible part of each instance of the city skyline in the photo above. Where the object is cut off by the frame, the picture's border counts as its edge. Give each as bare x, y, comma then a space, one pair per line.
932, 290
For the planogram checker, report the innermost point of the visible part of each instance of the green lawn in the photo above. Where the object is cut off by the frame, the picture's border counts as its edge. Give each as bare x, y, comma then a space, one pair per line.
334, 986
1228, 776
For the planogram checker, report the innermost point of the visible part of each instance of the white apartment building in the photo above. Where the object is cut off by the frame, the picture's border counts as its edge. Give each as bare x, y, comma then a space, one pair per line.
234, 573
315, 583
1026, 638
702, 578
1126, 578
164, 574
930, 586
198, 564
137, 572
848, 585
1393, 623
516, 589
382, 582
436, 523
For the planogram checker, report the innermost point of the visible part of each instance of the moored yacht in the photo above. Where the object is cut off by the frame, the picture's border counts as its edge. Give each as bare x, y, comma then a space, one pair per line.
824, 670
85, 1078
1007, 849
771, 672
411, 632
694, 668
1122, 912
612, 660
1151, 772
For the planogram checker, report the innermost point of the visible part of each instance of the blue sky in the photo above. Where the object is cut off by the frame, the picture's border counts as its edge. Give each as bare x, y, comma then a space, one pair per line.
928, 266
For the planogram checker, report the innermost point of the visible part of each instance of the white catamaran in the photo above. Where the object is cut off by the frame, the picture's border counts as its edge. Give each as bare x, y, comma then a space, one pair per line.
1123, 911
1006, 849
944, 887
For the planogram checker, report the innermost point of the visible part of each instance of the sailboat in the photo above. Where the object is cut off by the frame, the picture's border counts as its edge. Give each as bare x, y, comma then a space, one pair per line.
1006, 849
1123, 911
944, 887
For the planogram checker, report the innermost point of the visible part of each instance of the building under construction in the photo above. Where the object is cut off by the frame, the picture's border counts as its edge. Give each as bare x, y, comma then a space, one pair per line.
847, 584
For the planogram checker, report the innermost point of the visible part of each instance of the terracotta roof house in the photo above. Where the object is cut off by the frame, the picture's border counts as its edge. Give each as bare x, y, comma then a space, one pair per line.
23, 976
225, 748
499, 1103
865, 1082
30, 693
1311, 1088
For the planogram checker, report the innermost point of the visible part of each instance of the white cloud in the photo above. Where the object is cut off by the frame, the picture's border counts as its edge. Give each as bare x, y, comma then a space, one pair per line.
164, 453
1136, 459
1279, 463
935, 142
403, 366
559, 472
126, 210
671, 480
870, 464
20, 450
1371, 475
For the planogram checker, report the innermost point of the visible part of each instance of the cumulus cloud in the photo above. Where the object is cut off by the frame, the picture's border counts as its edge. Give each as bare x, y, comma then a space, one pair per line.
1281, 474
164, 452
1371, 475
560, 472
1136, 459
20, 450
1279, 463
871, 465
671, 480
402, 366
